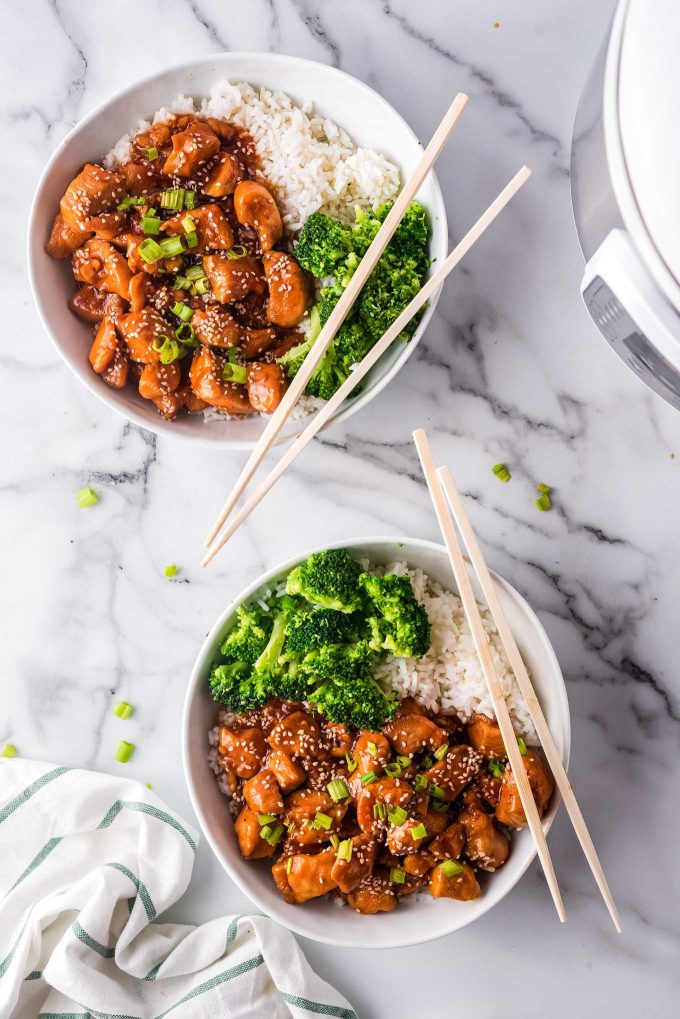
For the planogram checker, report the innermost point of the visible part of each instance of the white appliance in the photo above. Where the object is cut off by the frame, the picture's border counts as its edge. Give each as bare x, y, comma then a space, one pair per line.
625, 183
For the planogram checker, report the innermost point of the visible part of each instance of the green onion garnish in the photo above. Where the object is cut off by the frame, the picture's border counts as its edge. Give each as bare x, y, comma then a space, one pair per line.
202, 286
182, 311
192, 239
150, 224
196, 272
265, 818
405, 762
435, 792
131, 200
86, 497
335, 842
449, 868
171, 570
441, 752
182, 283
123, 751
337, 790
345, 850
397, 875
496, 768
189, 199
522, 746
349, 756
289, 864
167, 348
9, 750
393, 769
440, 806
265, 832
420, 783
379, 811
427, 761
322, 820
396, 815
173, 199
171, 246
185, 334
501, 472
122, 710
372, 749
419, 832
273, 835
234, 373
238, 251
151, 153
150, 250
188, 225
543, 488
369, 777
543, 502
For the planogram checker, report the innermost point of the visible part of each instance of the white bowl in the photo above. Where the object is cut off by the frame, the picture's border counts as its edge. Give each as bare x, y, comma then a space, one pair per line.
418, 917
367, 117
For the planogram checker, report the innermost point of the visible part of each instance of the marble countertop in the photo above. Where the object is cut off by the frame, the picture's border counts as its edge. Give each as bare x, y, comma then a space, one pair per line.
510, 369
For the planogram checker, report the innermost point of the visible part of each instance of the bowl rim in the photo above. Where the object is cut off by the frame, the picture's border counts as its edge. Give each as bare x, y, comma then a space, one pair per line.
92, 382
207, 650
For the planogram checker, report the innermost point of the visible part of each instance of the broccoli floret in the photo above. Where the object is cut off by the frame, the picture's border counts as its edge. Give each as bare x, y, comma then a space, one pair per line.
267, 664
400, 625
319, 628
329, 298
412, 236
348, 348
233, 685
323, 243
391, 286
342, 662
292, 360
329, 579
349, 693
248, 639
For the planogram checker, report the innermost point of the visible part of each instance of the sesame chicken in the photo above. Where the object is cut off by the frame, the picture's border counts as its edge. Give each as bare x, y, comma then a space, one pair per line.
93, 191
191, 148
290, 292
510, 810
255, 206
266, 384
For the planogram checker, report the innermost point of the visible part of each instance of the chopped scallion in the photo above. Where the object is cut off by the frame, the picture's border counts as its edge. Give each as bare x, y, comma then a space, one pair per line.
496, 768
192, 239
543, 502
171, 246
404, 761
393, 769
351, 761
396, 815
234, 373
238, 251
372, 749
171, 570
335, 842
202, 286
188, 225
182, 311
435, 792
369, 777
450, 868
345, 850
427, 761
274, 834
150, 250
9, 750
173, 199
420, 783
265, 818
501, 472
322, 820
86, 497
195, 272
185, 334
151, 153
439, 806
397, 875
123, 751
265, 831
167, 348
122, 710
543, 488
419, 832
189, 199
379, 811
522, 746
441, 752
289, 864
130, 200
337, 790
150, 224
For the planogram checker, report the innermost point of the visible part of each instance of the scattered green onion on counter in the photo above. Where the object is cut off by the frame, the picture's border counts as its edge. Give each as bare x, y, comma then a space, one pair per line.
543, 502
124, 751
122, 710
171, 570
9, 750
86, 497
501, 472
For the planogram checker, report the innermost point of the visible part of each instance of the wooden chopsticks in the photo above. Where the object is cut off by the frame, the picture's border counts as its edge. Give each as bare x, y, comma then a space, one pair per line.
342, 308
442, 490
376, 352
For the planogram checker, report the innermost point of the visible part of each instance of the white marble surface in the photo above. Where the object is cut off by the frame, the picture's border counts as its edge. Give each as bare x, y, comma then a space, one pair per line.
511, 369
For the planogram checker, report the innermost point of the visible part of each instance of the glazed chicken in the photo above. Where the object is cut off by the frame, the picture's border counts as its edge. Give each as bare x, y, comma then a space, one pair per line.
371, 817
183, 268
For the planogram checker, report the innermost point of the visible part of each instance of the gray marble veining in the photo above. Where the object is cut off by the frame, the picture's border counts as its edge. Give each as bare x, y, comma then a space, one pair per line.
510, 369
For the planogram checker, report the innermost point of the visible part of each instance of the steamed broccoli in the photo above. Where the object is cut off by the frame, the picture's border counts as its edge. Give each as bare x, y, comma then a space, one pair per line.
400, 623
349, 693
232, 684
391, 286
291, 361
323, 243
248, 639
309, 630
348, 348
329, 579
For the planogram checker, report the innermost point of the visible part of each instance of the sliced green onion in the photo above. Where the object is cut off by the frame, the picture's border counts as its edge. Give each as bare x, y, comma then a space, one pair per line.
522, 746
419, 832
396, 815
265, 831
167, 348
150, 224
289, 864
188, 225
440, 806
345, 850
234, 373
182, 311
349, 756
182, 283
86, 497
369, 777
404, 761
397, 875
202, 286
265, 818
372, 749
171, 246
189, 199
9, 750
543, 503
393, 769
337, 790
420, 783
237, 251
173, 199
501, 472
441, 752
322, 820
543, 488
122, 710
123, 751
185, 334
435, 792
335, 842
130, 200
379, 811
171, 570
450, 868
273, 835
195, 272
192, 239
427, 761
151, 153
232, 358
496, 768
150, 250
148, 785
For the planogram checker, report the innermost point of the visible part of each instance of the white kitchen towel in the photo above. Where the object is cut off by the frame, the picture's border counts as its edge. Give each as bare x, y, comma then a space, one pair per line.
87, 864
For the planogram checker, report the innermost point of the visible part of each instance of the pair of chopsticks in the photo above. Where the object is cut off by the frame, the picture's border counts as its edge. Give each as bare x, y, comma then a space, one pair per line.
335, 320
442, 491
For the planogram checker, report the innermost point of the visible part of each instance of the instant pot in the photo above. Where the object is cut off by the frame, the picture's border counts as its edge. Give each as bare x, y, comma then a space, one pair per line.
625, 184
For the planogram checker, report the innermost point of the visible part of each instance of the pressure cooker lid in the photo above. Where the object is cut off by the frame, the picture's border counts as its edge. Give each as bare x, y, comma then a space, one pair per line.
649, 125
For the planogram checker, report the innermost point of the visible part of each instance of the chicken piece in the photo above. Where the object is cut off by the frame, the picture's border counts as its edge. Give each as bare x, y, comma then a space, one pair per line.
141, 178
485, 736
390, 791
486, 845
254, 206
116, 373
290, 293
97, 262
242, 749
92, 305
459, 767
250, 842
140, 329
401, 839
190, 148
104, 346
418, 864
208, 383
227, 172
108, 225
348, 874
169, 404
266, 384
159, 380
301, 809
280, 875
372, 752
216, 327
210, 224
462, 886
142, 289
510, 810
449, 844
232, 278
157, 136
338, 739
64, 240
411, 733
262, 793
93, 191
489, 788
297, 733
374, 895
225, 131
310, 875
137, 263
256, 341
434, 820
288, 773
189, 399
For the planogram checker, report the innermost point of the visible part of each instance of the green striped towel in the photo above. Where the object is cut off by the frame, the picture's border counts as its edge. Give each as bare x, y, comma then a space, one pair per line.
88, 863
